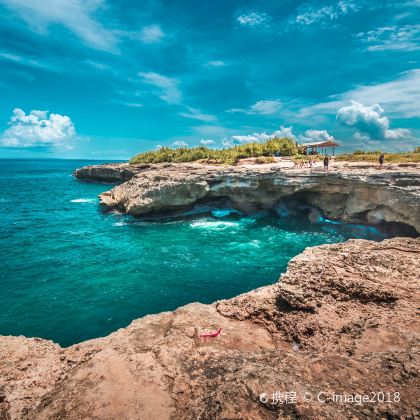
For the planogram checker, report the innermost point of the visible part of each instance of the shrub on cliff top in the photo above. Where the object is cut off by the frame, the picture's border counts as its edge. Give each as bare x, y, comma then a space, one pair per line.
374, 156
229, 156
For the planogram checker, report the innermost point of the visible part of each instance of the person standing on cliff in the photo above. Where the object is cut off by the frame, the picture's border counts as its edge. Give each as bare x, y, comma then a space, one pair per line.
326, 162
381, 160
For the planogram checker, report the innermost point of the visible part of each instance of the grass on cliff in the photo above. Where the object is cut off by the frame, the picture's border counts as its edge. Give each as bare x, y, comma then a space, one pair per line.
263, 152
361, 156
229, 156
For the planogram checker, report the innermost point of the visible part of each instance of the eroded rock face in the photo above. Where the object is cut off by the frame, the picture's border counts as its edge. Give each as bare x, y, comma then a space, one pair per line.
112, 172
341, 320
352, 196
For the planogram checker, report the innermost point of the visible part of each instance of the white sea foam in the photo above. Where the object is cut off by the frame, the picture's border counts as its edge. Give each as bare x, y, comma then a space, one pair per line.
119, 224
213, 224
83, 200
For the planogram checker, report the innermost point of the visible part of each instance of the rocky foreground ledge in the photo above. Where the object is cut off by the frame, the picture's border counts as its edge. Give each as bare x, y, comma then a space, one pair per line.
362, 194
341, 321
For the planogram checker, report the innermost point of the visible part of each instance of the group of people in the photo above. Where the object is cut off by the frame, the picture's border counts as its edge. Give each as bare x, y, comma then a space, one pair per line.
299, 164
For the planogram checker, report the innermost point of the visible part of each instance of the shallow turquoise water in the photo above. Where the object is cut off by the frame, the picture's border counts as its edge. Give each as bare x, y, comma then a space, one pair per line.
71, 272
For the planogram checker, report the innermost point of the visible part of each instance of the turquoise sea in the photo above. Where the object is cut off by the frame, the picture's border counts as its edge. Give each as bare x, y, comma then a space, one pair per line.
71, 272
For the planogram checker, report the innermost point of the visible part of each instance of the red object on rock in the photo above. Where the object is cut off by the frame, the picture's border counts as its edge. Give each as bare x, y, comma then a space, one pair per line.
211, 334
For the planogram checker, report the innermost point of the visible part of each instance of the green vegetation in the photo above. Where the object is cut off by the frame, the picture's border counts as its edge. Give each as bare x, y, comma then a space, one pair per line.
265, 159
230, 156
361, 156
263, 152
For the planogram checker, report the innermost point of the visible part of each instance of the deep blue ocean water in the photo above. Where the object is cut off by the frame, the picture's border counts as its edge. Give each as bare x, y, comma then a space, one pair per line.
71, 272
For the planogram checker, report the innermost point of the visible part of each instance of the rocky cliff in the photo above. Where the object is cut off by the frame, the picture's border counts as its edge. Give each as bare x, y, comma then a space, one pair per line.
354, 195
339, 325
111, 172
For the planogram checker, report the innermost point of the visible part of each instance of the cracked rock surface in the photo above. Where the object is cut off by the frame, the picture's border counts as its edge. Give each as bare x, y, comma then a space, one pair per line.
342, 319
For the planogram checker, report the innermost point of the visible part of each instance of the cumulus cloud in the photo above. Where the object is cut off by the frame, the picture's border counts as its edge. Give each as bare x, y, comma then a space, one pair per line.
259, 137
75, 15
360, 137
313, 136
207, 142
284, 132
151, 34
180, 143
264, 107
400, 96
369, 120
250, 138
253, 19
38, 129
309, 136
167, 88
395, 38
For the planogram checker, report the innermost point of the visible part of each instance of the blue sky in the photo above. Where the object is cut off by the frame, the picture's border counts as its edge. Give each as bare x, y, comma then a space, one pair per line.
102, 79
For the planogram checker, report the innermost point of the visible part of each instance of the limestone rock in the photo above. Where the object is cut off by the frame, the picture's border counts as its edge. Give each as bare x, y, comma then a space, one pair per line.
341, 320
366, 196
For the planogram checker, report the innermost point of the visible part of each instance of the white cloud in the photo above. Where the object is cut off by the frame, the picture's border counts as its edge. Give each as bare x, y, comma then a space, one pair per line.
400, 97
75, 15
27, 61
125, 103
253, 19
360, 137
312, 136
195, 114
370, 120
398, 133
250, 138
151, 34
264, 107
395, 38
260, 137
179, 143
284, 132
168, 89
216, 63
207, 142
227, 143
37, 129
310, 13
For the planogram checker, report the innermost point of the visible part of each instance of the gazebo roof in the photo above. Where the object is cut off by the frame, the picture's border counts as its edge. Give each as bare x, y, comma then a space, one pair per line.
327, 143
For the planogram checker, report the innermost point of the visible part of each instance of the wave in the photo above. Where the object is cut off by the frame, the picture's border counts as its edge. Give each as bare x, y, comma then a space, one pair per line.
119, 224
83, 200
244, 245
213, 224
